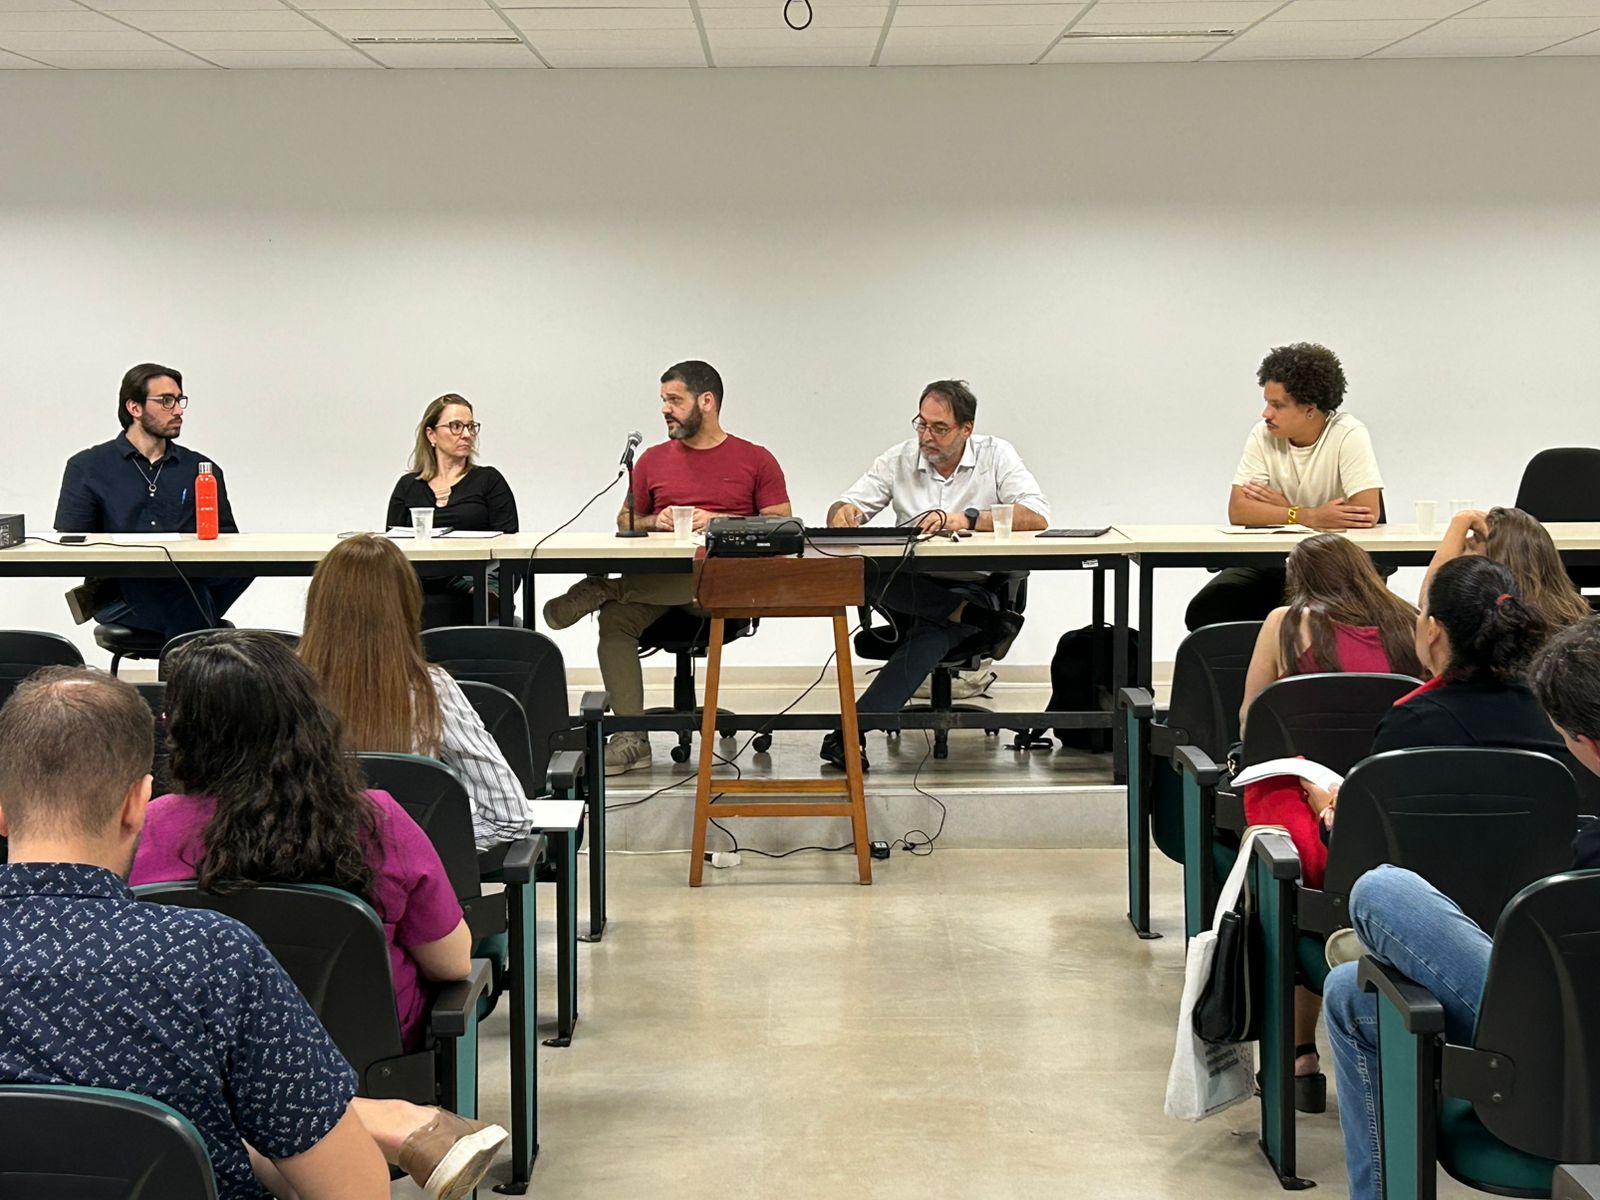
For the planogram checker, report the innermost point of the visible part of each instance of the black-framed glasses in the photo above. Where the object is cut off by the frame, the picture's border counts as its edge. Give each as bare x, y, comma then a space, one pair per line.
938, 428
457, 428
179, 402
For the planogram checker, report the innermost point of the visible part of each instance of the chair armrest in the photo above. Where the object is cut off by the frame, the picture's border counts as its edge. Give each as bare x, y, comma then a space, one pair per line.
517, 865
1278, 855
1138, 701
1229, 810
592, 705
566, 768
1197, 762
1481, 1076
1419, 1011
455, 1004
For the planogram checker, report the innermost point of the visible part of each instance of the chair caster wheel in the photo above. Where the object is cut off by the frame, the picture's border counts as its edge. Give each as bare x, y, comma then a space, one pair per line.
762, 743
941, 751
989, 733
727, 735
680, 753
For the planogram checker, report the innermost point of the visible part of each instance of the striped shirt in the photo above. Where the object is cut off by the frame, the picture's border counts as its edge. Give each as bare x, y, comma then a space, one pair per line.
500, 811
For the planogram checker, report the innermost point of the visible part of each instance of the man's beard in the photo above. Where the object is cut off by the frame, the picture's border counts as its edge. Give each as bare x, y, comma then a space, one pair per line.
156, 428
687, 427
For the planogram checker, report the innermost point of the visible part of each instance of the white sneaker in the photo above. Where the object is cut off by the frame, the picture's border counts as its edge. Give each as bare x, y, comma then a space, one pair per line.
627, 752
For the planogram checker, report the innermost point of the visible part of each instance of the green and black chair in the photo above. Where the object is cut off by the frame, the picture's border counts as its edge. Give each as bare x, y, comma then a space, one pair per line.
1330, 719
1478, 824
24, 651
529, 666
1207, 692
1501, 1114
84, 1143
332, 944
502, 924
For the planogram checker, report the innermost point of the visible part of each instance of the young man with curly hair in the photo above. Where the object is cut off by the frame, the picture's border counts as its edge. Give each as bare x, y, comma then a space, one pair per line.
1306, 463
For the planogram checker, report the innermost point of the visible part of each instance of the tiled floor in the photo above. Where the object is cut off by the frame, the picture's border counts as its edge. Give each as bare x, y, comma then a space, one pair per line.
975, 1024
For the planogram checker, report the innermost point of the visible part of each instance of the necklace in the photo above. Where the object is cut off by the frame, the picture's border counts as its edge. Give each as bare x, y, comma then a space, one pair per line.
149, 478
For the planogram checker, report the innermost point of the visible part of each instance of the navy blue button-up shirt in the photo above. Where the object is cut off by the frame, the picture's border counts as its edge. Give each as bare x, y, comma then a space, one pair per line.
106, 489
180, 1004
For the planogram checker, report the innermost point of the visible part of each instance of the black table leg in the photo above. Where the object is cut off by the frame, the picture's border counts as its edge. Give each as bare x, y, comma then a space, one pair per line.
1147, 620
1119, 665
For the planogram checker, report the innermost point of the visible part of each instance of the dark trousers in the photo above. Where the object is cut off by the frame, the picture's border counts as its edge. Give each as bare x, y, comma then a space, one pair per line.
168, 607
1237, 594
921, 608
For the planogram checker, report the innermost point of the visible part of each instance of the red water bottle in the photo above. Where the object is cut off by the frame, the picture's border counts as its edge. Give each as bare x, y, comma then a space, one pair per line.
205, 503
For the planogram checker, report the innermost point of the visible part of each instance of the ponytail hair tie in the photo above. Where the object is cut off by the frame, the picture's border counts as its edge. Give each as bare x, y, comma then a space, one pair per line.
1501, 599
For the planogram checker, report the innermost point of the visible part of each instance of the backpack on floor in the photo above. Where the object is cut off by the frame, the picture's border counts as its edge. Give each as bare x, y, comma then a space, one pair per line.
1074, 688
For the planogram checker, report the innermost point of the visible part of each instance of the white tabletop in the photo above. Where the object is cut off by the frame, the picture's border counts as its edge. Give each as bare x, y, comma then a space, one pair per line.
1179, 539
665, 545
236, 547
553, 816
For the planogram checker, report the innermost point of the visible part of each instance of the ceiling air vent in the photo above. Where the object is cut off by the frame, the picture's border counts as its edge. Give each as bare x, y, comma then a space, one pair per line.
1152, 35
467, 39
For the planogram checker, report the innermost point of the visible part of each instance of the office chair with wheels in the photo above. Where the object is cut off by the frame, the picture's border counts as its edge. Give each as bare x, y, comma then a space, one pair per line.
83, 1143
686, 637
24, 651
1559, 485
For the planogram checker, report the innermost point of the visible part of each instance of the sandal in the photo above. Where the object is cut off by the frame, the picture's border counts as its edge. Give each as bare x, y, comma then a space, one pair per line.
1310, 1091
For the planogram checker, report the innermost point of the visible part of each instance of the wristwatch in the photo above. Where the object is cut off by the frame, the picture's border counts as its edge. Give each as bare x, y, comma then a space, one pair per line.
1294, 514
971, 514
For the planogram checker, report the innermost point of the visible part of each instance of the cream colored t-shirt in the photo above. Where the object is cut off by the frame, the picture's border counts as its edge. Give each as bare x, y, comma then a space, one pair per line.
1336, 466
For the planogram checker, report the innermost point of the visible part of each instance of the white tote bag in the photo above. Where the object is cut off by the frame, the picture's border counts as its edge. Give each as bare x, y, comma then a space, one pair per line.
1207, 1078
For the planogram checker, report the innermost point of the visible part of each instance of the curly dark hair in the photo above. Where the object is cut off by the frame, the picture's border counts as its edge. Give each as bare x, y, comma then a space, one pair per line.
1310, 373
247, 727
1566, 678
1493, 634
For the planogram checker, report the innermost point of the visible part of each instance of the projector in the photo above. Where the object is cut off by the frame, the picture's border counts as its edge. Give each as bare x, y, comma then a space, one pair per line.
754, 537
11, 531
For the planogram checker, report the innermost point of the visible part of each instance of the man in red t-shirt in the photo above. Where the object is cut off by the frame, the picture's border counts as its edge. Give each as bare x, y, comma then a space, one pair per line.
702, 465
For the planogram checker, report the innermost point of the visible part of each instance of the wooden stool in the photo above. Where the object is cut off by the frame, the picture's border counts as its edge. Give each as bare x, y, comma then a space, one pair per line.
809, 586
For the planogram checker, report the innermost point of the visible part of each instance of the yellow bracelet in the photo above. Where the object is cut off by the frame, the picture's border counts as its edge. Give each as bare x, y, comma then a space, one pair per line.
1294, 514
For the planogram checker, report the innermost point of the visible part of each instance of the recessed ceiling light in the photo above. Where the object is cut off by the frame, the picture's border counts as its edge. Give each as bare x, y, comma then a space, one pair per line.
1162, 35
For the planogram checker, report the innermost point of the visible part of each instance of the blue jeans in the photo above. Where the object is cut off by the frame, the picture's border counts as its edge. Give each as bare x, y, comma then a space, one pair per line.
1404, 921
922, 606
169, 607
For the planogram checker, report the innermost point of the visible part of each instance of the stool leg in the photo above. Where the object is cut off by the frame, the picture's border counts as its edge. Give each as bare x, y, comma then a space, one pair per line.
851, 733
708, 741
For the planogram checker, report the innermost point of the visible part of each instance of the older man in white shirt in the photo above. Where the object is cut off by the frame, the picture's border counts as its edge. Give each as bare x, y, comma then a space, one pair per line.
947, 477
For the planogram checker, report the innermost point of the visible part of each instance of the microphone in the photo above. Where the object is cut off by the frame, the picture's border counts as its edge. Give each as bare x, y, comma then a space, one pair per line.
634, 439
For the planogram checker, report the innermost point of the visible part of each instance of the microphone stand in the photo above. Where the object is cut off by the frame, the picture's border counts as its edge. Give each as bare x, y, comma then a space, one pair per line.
630, 531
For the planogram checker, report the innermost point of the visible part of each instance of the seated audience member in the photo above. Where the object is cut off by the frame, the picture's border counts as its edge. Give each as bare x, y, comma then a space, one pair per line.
947, 477
362, 644
1307, 463
700, 465
1405, 922
445, 476
182, 1005
1512, 537
1341, 616
142, 481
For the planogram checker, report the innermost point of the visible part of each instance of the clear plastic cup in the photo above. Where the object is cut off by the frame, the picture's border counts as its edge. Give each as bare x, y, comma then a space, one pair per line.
682, 522
1001, 515
1427, 515
422, 523
1461, 506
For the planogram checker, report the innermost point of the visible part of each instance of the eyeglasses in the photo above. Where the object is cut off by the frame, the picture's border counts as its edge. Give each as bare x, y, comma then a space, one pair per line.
939, 429
168, 402
457, 428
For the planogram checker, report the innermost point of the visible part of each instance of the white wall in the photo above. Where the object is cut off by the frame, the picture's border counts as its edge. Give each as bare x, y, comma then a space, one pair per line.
1105, 252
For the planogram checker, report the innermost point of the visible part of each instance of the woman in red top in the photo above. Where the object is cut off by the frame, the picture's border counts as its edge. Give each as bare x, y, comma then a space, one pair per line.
1341, 616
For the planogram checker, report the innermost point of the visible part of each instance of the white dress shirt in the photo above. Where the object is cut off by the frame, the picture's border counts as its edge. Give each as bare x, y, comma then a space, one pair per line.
500, 811
990, 472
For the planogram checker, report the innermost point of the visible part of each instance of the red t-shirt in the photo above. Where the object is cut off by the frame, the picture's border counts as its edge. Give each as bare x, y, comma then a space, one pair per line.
735, 477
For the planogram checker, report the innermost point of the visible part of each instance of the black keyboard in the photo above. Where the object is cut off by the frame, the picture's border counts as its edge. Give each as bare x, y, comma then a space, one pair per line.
866, 535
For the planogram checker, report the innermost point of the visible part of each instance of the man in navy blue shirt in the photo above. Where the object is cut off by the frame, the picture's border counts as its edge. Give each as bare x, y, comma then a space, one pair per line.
142, 481
183, 1005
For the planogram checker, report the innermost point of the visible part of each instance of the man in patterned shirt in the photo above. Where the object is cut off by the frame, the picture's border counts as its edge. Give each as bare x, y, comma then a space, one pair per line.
182, 1005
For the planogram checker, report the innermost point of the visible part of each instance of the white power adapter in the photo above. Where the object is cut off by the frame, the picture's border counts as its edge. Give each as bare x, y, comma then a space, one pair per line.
723, 858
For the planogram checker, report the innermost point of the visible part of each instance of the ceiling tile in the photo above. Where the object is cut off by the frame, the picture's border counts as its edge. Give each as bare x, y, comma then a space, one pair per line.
1424, 46
810, 56
117, 7
1370, 10
289, 59
1037, 36
956, 56
15, 62
1535, 8
56, 22
987, 14
1588, 44
1516, 27
312, 39
1201, 14
39, 6
124, 39
613, 4
459, 20
534, 19
778, 39
769, 17
319, 6
616, 39
199, 20
1243, 48
672, 56
1112, 52
126, 60
455, 56
1381, 32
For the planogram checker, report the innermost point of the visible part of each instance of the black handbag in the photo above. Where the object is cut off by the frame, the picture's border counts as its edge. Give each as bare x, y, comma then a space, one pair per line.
1229, 1007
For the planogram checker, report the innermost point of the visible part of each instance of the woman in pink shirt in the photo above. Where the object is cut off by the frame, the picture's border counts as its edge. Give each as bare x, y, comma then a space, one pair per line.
267, 795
